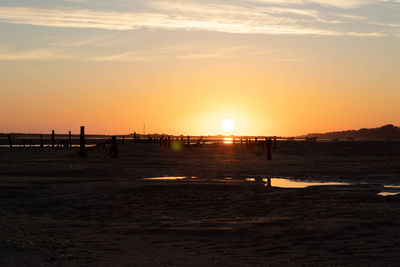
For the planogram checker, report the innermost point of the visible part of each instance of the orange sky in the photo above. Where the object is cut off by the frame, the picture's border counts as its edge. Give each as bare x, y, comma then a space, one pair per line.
182, 80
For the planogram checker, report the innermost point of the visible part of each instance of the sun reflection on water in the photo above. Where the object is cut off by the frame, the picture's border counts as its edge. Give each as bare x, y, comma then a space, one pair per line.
288, 183
228, 140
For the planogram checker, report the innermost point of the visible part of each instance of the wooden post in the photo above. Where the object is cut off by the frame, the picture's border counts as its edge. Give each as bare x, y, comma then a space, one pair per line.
274, 142
269, 157
41, 140
188, 141
123, 139
82, 151
269, 185
255, 140
169, 142
114, 150
52, 138
233, 141
161, 140
134, 137
30, 143
70, 139
9, 140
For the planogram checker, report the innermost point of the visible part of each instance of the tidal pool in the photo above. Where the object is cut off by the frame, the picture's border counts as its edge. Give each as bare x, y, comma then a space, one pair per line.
284, 183
392, 186
392, 190
290, 183
385, 194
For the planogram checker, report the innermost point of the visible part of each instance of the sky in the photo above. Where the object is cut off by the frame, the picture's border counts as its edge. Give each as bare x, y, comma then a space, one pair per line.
275, 67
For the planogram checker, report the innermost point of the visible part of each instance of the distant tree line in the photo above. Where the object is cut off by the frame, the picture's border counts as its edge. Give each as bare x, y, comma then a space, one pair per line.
385, 132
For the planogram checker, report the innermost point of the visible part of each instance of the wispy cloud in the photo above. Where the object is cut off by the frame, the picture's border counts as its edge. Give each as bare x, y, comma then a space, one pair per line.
244, 52
134, 56
344, 4
80, 42
189, 51
31, 55
393, 25
191, 15
182, 51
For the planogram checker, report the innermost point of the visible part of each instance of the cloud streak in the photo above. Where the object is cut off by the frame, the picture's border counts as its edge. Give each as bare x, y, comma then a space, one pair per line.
187, 15
182, 51
31, 55
335, 3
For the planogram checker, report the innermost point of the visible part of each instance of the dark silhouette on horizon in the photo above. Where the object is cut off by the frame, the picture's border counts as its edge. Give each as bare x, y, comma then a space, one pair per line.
387, 132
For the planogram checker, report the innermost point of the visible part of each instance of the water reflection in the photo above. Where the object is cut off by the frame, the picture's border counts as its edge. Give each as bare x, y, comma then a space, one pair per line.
392, 186
228, 140
281, 182
288, 183
392, 190
388, 193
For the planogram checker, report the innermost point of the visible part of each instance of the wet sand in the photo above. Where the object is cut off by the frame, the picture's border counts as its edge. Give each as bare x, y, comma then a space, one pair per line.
58, 209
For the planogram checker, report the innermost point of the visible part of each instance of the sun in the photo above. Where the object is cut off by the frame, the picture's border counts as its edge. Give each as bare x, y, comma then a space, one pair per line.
228, 125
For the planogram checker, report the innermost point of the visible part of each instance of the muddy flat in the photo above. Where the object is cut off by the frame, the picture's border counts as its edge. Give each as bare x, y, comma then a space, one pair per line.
59, 209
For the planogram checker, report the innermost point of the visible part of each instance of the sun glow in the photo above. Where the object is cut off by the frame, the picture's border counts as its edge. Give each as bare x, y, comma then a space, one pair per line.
228, 125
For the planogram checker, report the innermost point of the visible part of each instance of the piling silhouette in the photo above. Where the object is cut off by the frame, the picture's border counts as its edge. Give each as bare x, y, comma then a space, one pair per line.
269, 154
52, 138
70, 139
82, 151
114, 149
10, 141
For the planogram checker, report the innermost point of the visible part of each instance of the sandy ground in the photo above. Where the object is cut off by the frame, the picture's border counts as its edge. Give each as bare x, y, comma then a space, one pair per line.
58, 209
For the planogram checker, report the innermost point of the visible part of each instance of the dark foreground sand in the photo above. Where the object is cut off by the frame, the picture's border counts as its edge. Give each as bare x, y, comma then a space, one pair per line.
58, 209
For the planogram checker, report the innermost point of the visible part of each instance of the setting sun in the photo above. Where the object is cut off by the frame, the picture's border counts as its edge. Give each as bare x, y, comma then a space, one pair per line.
228, 125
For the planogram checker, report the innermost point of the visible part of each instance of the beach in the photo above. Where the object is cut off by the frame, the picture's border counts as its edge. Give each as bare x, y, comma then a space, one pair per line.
60, 209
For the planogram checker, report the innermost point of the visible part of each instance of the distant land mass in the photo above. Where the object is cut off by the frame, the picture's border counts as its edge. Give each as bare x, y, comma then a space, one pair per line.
386, 132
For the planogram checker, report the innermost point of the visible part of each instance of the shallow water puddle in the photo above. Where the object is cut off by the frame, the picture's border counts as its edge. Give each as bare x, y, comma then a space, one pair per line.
385, 194
289, 183
392, 186
281, 182
393, 190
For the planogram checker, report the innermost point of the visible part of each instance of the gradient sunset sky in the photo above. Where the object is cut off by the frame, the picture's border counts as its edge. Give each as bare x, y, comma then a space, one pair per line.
276, 67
